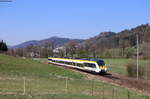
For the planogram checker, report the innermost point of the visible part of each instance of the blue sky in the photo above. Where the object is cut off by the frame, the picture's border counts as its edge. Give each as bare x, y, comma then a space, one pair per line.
23, 20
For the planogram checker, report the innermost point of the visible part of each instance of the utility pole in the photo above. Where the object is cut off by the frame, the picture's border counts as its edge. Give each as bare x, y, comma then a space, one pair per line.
137, 57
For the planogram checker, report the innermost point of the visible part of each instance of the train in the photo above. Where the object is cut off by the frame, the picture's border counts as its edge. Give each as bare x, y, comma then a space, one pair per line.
86, 64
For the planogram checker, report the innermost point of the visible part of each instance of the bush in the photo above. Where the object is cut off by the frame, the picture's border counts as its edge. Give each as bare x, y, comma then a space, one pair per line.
132, 70
147, 71
146, 56
129, 52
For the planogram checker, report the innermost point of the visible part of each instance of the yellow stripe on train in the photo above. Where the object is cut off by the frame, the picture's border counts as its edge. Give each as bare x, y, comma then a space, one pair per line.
75, 60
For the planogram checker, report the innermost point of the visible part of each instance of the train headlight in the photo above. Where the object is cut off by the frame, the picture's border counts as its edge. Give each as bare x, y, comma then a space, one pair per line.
105, 68
102, 67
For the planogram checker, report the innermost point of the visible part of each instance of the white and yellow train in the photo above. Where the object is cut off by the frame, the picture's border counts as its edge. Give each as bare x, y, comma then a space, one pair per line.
92, 64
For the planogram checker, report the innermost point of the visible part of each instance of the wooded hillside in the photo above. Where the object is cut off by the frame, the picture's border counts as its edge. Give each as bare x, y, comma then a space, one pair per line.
106, 44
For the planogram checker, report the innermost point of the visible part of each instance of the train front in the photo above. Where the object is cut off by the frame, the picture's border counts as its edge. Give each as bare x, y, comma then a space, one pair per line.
102, 66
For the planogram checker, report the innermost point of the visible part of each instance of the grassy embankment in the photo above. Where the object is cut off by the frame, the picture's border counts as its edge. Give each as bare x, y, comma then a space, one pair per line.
47, 81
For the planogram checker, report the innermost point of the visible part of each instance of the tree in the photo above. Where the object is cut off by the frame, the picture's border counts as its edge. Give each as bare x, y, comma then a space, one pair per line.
19, 52
71, 48
3, 46
47, 49
82, 53
86, 48
123, 44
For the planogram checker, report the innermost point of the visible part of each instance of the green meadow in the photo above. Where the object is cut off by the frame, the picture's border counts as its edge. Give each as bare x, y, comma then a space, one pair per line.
32, 79
119, 65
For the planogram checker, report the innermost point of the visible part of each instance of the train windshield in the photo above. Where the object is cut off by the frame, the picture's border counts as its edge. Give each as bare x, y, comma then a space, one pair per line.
101, 63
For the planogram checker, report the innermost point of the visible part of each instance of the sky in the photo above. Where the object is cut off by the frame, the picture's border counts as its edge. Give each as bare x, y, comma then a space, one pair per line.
23, 20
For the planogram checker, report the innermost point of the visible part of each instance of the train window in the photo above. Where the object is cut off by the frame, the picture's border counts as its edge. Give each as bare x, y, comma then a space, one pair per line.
74, 64
101, 63
90, 65
56, 61
50, 59
59, 61
79, 64
68, 63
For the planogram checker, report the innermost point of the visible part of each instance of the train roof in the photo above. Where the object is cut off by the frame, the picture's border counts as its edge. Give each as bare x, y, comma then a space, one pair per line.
86, 59
92, 59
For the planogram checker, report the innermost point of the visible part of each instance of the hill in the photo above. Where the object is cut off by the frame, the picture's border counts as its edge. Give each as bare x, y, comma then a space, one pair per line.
111, 39
58, 41
123, 43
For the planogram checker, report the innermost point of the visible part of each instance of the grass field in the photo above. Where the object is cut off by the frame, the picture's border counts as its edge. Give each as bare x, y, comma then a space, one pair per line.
43, 81
119, 65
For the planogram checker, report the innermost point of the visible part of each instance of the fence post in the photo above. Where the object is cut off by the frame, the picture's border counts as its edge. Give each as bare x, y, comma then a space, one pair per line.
128, 94
24, 86
92, 87
103, 91
113, 93
66, 82
67, 87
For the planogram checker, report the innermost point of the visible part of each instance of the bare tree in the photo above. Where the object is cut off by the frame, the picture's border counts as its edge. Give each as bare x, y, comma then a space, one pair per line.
123, 44
71, 48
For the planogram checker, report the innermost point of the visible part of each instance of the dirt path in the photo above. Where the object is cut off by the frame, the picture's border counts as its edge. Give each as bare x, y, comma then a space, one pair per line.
141, 85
